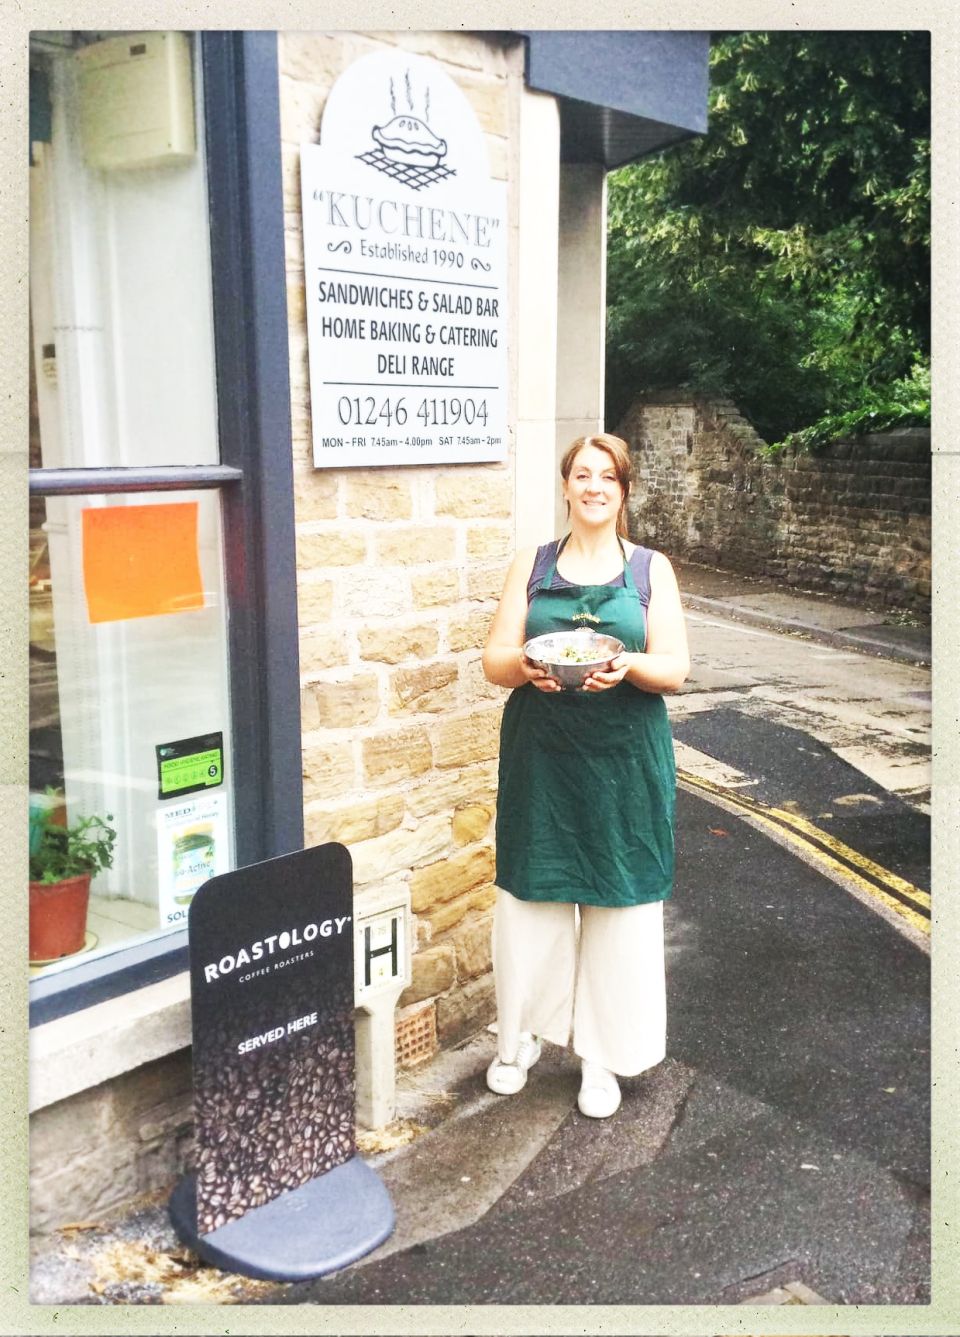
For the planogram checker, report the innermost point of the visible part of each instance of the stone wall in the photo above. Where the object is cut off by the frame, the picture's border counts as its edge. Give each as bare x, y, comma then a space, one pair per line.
399, 571
852, 521
101, 1149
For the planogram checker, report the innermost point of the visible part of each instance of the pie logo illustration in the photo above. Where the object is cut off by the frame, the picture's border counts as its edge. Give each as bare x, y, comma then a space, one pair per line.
407, 139
406, 148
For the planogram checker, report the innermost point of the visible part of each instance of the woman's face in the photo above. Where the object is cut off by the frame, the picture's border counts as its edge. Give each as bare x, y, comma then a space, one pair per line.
593, 490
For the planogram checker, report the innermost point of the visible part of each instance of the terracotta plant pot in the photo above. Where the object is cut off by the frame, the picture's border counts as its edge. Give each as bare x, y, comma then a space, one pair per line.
58, 917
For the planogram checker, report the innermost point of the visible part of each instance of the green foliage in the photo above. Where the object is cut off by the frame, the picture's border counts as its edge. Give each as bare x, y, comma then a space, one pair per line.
67, 851
905, 403
782, 259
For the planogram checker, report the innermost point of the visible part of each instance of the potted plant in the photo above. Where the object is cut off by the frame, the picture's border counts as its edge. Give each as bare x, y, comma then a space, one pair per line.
46, 809
63, 860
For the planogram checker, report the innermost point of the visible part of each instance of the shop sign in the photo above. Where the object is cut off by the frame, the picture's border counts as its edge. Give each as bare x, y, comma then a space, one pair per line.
271, 969
405, 256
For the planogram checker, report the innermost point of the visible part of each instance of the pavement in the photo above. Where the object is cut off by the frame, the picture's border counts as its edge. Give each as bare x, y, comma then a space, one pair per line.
757, 601
779, 1155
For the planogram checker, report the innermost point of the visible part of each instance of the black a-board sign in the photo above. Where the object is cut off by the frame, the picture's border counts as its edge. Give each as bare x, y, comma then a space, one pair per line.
278, 1189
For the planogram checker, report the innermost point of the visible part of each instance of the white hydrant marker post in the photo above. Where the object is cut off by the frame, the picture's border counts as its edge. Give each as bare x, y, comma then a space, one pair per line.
382, 972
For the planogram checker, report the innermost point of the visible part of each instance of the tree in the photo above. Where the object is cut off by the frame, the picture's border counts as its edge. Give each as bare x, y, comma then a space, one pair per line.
782, 259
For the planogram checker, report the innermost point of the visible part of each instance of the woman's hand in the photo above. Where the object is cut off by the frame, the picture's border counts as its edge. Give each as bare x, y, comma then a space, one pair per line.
540, 678
504, 662
600, 680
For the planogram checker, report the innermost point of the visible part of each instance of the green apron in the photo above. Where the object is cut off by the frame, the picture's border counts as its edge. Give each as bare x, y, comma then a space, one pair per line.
587, 779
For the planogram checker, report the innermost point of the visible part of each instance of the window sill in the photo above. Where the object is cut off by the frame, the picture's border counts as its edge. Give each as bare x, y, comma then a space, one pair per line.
73, 1053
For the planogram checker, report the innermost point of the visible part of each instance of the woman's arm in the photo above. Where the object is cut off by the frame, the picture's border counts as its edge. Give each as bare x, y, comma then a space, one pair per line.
665, 664
504, 662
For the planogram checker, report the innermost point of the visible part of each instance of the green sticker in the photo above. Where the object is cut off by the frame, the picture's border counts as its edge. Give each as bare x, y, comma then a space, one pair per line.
190, 764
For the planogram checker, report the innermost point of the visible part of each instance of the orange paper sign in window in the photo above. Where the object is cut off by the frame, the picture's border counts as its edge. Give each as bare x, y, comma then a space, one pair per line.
139, 561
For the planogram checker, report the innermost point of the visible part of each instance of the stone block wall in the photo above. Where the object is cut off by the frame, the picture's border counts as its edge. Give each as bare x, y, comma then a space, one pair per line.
852, 521
399, 571
101, 1149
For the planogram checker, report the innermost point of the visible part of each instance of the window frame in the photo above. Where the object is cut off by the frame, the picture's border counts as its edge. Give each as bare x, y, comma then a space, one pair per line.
255, 480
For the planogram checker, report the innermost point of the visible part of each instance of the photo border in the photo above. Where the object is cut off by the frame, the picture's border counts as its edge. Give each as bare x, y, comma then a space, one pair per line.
942, 1316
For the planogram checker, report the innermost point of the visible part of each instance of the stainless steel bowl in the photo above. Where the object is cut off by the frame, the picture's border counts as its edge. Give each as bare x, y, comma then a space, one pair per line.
569, 656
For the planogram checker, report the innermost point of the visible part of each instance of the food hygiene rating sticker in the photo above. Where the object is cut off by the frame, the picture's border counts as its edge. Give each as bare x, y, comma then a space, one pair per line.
190, 764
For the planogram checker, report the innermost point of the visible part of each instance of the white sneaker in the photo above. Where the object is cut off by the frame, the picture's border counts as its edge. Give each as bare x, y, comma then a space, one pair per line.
599, 1091
506, 1079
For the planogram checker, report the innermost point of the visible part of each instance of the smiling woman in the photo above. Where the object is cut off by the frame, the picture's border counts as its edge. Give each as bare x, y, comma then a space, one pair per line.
586, 793
596, 478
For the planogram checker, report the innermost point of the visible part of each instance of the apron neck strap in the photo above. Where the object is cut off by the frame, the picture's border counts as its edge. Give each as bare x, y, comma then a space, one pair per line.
628, 579
551, 570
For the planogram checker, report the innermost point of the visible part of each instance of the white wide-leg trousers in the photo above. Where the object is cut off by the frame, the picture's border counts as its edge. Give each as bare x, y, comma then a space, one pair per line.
600, 971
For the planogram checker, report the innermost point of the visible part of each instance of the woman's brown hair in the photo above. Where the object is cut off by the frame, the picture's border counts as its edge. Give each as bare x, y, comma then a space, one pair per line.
619, 452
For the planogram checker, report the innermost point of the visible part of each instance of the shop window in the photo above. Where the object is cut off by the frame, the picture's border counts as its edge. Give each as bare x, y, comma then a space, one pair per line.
127, 606
149, 693
129, 698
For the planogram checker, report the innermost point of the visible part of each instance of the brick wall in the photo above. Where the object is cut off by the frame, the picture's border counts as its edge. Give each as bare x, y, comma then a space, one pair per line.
852, 521
399, 570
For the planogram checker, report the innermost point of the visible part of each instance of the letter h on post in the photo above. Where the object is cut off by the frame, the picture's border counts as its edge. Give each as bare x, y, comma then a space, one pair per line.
369, 953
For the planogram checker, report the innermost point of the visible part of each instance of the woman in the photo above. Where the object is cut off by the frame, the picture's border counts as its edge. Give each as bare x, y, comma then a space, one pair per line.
586, 795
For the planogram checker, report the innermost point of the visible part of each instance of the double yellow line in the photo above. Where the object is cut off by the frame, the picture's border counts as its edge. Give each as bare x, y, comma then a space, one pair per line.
902, 897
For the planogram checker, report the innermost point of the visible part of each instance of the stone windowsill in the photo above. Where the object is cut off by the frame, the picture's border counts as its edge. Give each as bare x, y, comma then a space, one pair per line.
76, 1052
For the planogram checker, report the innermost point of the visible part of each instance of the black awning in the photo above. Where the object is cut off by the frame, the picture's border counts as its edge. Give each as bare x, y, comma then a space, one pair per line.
622, 94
